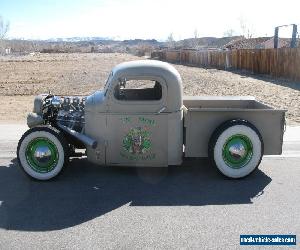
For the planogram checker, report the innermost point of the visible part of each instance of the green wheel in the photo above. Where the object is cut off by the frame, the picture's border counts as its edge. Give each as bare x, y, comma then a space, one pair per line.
42, 155
236, 148
42, 152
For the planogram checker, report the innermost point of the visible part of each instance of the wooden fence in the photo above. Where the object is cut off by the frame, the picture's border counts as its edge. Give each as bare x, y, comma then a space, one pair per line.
283, 62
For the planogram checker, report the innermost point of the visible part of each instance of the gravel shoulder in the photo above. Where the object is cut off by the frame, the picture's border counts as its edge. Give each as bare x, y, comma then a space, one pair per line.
23, 77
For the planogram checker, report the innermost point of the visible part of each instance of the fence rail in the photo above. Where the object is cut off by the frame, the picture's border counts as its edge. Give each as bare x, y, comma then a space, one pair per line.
283, 62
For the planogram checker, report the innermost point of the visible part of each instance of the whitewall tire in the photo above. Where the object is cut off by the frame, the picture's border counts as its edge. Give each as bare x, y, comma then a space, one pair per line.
236, 148
42, 152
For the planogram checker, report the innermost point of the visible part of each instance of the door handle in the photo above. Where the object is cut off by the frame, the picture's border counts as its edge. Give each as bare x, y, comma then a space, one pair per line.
161, 110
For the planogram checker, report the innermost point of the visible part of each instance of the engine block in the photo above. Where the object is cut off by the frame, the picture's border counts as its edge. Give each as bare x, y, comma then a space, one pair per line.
70, 111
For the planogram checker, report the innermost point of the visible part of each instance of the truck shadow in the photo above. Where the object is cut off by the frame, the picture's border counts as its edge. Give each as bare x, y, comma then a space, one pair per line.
85, 191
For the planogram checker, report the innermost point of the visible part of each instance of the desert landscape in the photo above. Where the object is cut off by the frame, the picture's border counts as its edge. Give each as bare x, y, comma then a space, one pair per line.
23, 77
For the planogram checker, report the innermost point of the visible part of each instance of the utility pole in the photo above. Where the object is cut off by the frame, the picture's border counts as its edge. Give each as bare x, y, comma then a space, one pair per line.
294, 36
276, 38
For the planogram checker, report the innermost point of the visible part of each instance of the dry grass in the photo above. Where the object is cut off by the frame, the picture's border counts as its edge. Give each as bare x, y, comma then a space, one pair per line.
25, 76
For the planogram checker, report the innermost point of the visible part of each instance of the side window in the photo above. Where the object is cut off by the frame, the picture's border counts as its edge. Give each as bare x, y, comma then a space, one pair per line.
138, 90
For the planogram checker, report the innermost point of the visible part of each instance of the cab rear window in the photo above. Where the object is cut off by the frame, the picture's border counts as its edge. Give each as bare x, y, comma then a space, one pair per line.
138, 90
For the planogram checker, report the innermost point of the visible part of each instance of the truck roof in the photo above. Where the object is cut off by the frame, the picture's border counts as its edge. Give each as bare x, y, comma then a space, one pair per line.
155, 68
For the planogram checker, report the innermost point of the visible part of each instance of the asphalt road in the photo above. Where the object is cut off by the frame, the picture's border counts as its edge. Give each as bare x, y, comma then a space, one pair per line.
191, 206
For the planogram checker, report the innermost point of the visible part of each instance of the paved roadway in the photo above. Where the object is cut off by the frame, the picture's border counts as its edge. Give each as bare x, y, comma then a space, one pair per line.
191, 206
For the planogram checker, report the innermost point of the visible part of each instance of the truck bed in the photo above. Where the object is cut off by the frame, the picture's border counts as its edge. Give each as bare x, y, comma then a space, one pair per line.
203, 114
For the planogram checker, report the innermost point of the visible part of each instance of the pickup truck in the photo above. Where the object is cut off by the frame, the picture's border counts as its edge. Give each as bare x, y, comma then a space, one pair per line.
142, 119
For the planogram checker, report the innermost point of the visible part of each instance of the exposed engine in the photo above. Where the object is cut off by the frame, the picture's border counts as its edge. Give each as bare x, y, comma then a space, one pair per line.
58, 110
71, 113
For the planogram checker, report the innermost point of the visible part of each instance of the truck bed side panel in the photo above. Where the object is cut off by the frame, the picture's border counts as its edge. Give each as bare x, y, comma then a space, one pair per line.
201, 123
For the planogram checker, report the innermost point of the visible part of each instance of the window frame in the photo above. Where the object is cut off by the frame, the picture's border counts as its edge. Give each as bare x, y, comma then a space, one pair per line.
159, 79
153, 82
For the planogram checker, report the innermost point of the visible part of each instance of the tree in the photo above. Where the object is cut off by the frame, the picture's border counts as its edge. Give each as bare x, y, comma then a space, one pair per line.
229, 33
247, 30
170, 41
4, 27
195, 33
243, 26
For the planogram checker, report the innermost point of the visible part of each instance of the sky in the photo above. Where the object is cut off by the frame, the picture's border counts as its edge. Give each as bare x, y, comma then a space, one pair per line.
146, 19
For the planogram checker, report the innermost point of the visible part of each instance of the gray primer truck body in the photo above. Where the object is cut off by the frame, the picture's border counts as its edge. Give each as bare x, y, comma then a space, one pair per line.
122, 128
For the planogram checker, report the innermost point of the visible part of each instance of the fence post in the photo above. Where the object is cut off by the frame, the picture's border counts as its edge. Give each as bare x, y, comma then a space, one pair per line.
227, 60
294, 38
276, 38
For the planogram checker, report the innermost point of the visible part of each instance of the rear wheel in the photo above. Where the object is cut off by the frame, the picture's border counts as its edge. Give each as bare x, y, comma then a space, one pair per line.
236, 148
42, 152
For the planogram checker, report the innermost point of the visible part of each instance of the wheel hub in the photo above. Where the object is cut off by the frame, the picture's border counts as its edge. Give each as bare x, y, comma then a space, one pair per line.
42, 154
237, 151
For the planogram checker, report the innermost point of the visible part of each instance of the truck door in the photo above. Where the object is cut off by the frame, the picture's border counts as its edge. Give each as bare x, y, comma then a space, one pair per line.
137, 124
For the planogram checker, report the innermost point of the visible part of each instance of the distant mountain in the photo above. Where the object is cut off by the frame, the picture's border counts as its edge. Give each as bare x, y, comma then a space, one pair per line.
141, 41
108, 45
85, 41
78, 39
194, 43
81, 44
205, 42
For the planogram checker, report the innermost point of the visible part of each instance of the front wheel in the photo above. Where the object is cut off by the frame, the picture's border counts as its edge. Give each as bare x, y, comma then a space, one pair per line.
42, 152
236, 148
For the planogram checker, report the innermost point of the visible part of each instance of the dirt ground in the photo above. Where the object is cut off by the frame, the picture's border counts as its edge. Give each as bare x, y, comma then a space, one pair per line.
23, 77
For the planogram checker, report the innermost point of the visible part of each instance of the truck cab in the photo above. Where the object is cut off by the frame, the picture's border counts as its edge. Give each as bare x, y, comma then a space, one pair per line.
138, 118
